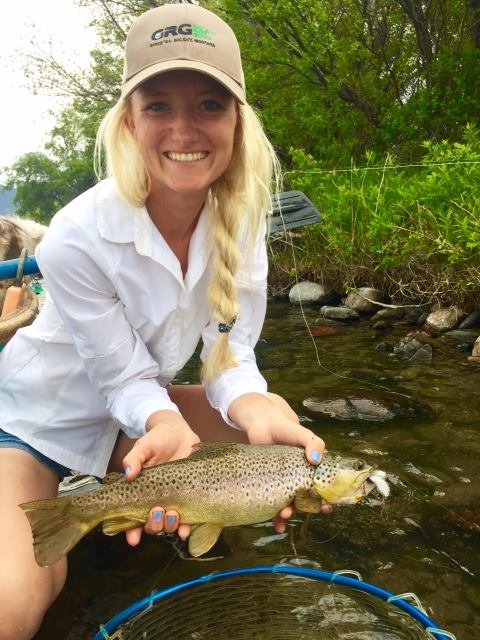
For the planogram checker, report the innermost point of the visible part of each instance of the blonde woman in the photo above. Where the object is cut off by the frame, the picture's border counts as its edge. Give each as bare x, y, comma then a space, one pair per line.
167, 251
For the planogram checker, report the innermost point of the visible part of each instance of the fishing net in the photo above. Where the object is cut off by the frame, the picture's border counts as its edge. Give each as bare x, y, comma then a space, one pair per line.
269, 606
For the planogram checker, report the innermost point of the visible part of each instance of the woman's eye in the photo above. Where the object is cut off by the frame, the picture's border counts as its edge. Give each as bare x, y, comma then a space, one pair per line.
211, 105
157, 106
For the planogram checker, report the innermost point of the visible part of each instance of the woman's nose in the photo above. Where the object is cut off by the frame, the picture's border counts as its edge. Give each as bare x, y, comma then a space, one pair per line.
184, 129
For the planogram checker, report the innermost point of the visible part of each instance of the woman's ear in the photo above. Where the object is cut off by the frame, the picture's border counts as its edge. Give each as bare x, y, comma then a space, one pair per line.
129, 123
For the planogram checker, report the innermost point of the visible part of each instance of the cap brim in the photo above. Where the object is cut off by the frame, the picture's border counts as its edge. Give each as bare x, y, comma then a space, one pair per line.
172, 65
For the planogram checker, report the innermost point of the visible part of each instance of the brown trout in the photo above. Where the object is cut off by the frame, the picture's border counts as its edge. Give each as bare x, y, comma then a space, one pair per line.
218, 485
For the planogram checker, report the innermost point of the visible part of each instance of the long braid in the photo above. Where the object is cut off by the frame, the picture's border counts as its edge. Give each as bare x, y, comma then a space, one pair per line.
241, 195
222, 292
239, 199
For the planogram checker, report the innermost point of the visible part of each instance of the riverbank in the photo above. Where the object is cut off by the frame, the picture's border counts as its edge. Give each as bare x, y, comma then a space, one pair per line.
411, 231
310, 255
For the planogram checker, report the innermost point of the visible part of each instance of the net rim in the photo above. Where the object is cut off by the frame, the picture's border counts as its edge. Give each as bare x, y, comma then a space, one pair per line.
337, 577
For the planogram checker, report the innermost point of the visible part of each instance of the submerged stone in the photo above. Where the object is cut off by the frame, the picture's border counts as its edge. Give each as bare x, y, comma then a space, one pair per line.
413, 350
380, 409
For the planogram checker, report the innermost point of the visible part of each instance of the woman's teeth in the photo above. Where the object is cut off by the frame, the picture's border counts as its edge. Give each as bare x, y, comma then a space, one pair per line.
187, 157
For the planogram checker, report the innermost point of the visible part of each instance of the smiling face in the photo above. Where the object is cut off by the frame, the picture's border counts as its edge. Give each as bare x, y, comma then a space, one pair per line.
184, 124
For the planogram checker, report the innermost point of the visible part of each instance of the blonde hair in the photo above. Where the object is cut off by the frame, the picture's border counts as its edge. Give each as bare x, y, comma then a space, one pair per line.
243, 191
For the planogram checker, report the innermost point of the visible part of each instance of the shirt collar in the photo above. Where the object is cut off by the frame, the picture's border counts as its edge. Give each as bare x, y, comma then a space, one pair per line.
120, 222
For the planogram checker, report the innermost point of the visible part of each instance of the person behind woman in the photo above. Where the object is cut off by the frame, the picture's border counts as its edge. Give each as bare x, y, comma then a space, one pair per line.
167, 251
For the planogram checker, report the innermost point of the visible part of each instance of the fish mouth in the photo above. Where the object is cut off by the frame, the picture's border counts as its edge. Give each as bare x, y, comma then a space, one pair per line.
377, 480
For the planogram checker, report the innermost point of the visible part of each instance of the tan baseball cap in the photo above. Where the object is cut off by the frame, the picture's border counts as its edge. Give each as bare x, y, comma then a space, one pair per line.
182, 36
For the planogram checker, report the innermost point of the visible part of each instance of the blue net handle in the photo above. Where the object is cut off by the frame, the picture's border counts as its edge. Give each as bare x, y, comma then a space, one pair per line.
338, 577
9, 268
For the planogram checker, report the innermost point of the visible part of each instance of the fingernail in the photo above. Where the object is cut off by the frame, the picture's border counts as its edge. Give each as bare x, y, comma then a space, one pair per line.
157, 515
171, 519
316, 456
128, 471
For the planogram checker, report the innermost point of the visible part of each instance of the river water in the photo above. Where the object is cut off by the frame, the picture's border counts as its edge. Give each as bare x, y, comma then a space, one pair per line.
425, 538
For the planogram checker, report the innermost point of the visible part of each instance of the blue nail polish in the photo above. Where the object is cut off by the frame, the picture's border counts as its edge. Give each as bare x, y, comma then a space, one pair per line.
128, 471
316, 456
171, 519
157, 515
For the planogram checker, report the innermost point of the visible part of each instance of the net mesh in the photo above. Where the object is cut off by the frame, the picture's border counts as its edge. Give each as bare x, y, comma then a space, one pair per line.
271, 607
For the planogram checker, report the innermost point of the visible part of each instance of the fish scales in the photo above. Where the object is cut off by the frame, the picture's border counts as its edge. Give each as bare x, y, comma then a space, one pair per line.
218, 485
227, 486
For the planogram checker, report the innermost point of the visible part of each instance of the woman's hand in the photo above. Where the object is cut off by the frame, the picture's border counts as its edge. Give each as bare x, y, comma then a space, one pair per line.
168, 438
270, 420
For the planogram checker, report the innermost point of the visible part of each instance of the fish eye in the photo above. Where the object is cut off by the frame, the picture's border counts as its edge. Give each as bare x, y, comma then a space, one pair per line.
359, 465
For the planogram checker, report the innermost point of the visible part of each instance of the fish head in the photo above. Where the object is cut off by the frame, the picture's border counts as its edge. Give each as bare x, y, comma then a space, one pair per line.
339, 480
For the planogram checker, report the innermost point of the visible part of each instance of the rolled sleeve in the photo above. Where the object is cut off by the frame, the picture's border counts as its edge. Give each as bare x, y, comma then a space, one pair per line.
117, 362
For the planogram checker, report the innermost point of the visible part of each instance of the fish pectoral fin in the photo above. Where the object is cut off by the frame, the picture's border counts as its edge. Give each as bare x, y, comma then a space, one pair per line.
117, 524
112, 477
307, 503
203, 537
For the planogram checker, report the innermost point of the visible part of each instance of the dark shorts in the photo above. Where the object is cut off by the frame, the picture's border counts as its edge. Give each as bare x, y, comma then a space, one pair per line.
9, 441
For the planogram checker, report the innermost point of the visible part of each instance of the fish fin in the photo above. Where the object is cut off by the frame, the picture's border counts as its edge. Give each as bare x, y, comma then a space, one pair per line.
56, 528
117, 524
203, 537
112, 477
307, 503
212, 449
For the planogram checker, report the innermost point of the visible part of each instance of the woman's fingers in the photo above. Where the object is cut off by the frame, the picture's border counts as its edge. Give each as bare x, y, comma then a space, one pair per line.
134, 536
134, 460
184, 530
287, 512
279, 524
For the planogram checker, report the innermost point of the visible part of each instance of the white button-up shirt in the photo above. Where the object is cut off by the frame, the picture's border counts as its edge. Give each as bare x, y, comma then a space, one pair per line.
119, 322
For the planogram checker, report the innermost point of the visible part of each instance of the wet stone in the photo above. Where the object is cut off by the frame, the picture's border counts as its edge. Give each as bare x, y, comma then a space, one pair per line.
445, 319
381, 325
471, 321
413, 350
370, 409
466, 337
389, 313
339, 313
423, 355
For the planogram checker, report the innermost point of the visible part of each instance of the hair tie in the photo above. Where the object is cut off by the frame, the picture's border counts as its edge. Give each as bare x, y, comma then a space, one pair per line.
226, 327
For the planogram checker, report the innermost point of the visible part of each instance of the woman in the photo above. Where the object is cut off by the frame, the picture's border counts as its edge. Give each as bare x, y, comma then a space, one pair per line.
169, 250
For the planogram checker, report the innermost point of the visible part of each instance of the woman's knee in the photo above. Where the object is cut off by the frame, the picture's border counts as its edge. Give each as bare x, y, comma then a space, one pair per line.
24, 602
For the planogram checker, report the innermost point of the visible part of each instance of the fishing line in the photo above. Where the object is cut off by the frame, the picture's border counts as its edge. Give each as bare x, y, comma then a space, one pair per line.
382, 167
179, 544
289, 243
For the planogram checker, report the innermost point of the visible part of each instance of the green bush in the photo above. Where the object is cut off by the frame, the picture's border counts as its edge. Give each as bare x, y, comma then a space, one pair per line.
394, 225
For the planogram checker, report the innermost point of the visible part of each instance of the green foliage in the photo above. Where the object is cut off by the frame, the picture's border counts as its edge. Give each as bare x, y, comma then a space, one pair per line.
339, 77
382, 217
338, 83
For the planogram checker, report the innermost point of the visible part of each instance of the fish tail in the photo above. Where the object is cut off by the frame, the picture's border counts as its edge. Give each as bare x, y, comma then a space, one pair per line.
56, 528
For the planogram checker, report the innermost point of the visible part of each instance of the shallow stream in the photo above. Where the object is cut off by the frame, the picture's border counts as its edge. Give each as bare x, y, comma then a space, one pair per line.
424, 539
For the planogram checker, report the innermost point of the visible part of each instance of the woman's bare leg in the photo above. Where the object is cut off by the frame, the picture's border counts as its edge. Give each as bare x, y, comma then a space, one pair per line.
26, 590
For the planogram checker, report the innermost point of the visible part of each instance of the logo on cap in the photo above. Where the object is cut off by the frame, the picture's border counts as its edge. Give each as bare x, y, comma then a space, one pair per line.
197, 32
